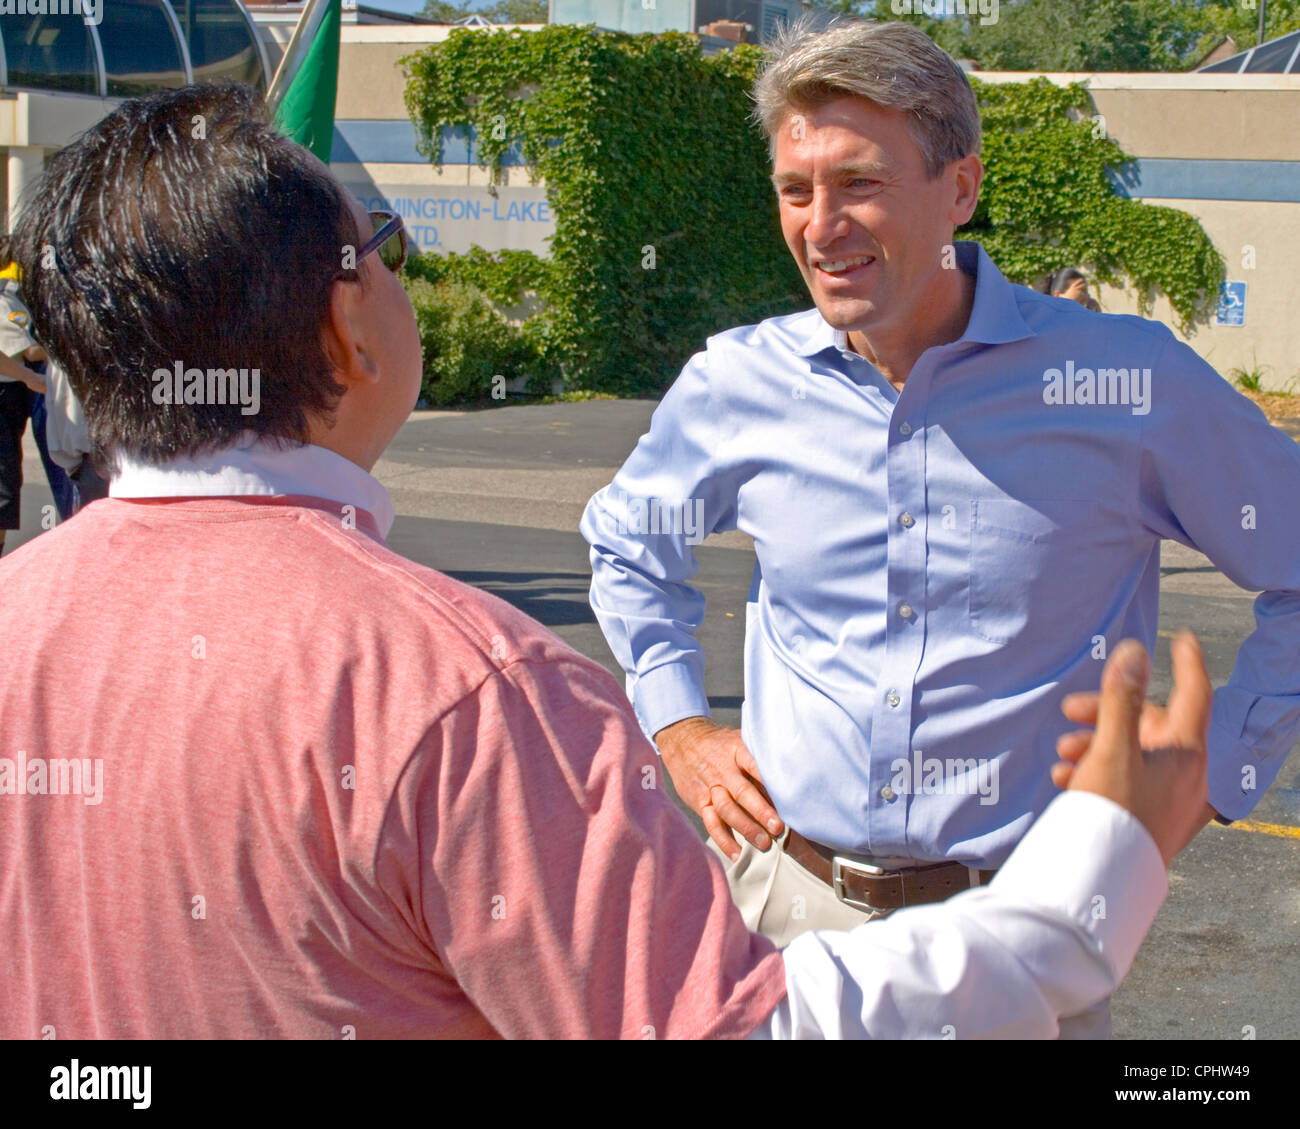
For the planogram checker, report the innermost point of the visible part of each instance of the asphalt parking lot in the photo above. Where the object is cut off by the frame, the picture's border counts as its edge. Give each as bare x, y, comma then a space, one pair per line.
493, 498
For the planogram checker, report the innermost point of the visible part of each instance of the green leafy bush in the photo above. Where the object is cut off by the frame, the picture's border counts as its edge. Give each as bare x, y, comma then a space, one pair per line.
467, 343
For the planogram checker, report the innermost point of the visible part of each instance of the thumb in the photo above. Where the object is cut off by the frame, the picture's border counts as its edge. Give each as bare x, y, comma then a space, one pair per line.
745, 759
1123, 692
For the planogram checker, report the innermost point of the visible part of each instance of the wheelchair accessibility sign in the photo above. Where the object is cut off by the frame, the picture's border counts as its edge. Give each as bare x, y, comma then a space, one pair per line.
1232, 304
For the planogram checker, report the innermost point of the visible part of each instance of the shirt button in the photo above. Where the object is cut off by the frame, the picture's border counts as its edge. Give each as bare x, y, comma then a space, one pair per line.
907, 521
893, 699
887, 793
904, 429
905, 611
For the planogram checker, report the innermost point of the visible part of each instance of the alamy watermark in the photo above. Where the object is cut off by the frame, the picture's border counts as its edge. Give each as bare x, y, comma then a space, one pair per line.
92, 11
58, 776
640, 516
181, 385
1103, 386
987, 10
101, 1083
945, 776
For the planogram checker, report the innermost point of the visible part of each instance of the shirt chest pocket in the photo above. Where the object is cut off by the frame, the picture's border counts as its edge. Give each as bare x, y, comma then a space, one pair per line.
1032, 569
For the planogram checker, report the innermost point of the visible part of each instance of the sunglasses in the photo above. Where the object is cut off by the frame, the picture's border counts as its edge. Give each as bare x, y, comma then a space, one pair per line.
389, 240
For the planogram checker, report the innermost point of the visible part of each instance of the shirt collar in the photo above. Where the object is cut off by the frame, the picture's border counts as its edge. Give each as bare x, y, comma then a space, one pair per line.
257, 466
994, 317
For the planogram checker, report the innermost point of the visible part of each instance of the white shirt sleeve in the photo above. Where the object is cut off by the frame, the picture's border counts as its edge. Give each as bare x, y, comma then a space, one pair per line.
1053, 934
66, 434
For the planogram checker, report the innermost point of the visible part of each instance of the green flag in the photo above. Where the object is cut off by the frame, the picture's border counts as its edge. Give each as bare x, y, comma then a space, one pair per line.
301, 97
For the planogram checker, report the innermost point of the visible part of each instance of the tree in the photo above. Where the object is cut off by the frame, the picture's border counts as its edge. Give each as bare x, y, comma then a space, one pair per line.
501, 12
1103, 35
1097, 35
1218, 18
445, 12
518, 12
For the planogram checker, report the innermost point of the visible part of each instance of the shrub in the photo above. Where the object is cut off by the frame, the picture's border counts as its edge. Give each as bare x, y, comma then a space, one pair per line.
467, 343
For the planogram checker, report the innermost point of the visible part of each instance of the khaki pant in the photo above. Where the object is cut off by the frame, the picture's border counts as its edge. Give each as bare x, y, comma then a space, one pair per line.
780, 899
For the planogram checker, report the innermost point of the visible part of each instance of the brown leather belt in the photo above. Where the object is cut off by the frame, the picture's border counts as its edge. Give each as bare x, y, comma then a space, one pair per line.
856, 885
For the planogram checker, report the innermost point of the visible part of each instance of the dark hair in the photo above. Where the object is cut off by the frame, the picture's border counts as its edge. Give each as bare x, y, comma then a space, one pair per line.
1062, 279
182, 227
6, 253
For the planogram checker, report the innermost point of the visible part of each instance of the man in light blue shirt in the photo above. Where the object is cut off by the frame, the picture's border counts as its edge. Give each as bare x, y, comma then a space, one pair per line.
957, 490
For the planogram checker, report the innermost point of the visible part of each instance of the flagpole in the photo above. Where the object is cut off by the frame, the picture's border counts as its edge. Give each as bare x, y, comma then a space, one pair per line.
303, 34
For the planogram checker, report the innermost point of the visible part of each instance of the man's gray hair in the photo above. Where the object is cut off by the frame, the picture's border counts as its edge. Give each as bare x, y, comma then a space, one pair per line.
893, 64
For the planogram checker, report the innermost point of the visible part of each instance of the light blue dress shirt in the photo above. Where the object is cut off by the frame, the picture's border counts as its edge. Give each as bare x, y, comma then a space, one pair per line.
938, 568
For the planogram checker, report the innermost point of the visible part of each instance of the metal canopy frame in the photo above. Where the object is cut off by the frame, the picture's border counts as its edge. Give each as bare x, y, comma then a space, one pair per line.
178, 34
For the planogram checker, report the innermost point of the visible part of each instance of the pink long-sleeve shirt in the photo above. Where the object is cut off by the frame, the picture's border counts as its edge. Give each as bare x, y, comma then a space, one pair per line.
308, 788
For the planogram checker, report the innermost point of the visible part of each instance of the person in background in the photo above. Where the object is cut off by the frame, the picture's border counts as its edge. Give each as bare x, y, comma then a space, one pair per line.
278, 781
1071, 283
67, 439
23, 398
21, 388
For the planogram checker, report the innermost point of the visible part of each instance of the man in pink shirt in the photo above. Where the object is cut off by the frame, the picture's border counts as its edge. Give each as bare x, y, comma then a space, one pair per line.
316, 790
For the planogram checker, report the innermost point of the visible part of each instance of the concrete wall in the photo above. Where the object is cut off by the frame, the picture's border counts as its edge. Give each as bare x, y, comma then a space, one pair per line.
371, 80
447, 209
1270, 337
1225, 149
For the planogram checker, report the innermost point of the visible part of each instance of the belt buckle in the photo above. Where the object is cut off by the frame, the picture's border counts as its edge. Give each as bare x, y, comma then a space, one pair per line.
838, 863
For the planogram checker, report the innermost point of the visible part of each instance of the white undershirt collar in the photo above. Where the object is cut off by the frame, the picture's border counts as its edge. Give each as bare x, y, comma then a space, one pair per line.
254, 466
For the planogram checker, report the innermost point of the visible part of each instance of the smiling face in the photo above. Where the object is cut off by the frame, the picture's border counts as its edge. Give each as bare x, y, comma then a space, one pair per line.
865, 224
